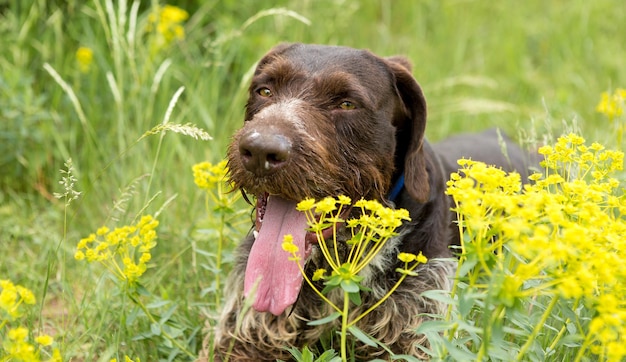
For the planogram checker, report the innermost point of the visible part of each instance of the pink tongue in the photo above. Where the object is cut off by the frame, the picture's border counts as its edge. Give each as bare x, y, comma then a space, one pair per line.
278, 278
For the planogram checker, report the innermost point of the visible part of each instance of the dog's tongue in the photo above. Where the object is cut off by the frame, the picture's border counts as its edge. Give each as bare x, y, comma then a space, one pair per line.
279, 279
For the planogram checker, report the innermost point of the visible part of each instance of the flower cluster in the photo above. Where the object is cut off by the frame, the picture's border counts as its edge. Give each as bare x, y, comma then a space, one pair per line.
375, 225
125, 251
207, 176
219, 205
213, 179
564, 236
612, 105
166, 23
16, 342
370, 231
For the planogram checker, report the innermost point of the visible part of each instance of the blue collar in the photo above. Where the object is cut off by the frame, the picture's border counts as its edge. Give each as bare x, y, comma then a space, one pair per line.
396, 189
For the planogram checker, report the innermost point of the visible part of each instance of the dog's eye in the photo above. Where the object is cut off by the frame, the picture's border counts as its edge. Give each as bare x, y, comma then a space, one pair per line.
264, 92
347, 105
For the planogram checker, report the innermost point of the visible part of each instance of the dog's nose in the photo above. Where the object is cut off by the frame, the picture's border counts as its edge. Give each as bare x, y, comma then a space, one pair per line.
262, 153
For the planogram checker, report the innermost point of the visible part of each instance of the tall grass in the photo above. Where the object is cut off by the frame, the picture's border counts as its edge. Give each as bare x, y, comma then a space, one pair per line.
480, 63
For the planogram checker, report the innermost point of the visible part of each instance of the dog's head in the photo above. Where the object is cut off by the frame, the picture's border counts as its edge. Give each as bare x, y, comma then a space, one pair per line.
321, 121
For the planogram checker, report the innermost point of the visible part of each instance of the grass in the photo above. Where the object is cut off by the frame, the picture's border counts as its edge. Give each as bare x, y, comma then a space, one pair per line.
532, 68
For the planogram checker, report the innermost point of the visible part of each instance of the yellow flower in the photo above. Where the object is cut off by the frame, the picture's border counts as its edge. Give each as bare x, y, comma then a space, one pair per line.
84, 58
56, 356
126, 359
326, 205
562, 236
318, 274
8, 295
166, 22
206, 175
102, 231
27, 296
406, 257
306, 204
124, 250
612, 105
421, 258
44, 340
18, 334
344, 200
288, 245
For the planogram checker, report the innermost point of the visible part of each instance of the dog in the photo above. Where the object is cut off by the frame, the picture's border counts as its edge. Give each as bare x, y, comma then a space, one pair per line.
327, 121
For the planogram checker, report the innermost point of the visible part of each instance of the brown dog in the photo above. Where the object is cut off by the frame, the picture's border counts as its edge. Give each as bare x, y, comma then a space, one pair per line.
327, 121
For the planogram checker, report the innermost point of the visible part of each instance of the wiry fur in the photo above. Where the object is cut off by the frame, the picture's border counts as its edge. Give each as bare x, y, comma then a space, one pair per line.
326, 150
263, 336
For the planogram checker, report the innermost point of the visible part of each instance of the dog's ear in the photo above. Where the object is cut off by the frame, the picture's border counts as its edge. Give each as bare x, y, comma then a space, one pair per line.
410, 124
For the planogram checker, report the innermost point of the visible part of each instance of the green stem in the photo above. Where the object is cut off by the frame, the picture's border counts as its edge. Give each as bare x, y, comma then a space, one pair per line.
538, 327
384, 298
154, 165
457, 273
583, 348
218, 259
484, 347
163, 332
317, 291
564, 328
344, 326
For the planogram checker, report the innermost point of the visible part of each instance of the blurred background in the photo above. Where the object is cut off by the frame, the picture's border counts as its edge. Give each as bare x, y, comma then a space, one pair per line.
86, 79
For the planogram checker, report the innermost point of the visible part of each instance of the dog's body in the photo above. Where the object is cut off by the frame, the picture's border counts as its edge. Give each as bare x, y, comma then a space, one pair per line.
329, 121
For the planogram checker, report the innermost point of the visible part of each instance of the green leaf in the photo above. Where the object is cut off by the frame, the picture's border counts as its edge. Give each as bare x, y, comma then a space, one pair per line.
459, 353
439, 296
361, 336
467, 265
433, 326
168, 313
328, 288
466, 302
405, 357
334, 280
355, 298
325, 320
158, 304
155, 328
329, 356
307, 355
349, 286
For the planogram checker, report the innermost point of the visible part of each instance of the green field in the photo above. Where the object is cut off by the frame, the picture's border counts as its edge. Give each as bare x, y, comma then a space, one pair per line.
535, 69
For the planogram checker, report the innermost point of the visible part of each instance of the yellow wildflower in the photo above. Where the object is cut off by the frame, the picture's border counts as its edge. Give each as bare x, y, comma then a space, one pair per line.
125, 251
206, 175
84, 58
563, 234
27, 296
406, 257
44, 340
325, 205
18, 334
421, 258
289, 246
166, 23
318, 274
612, 105
126, 359
306, 204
